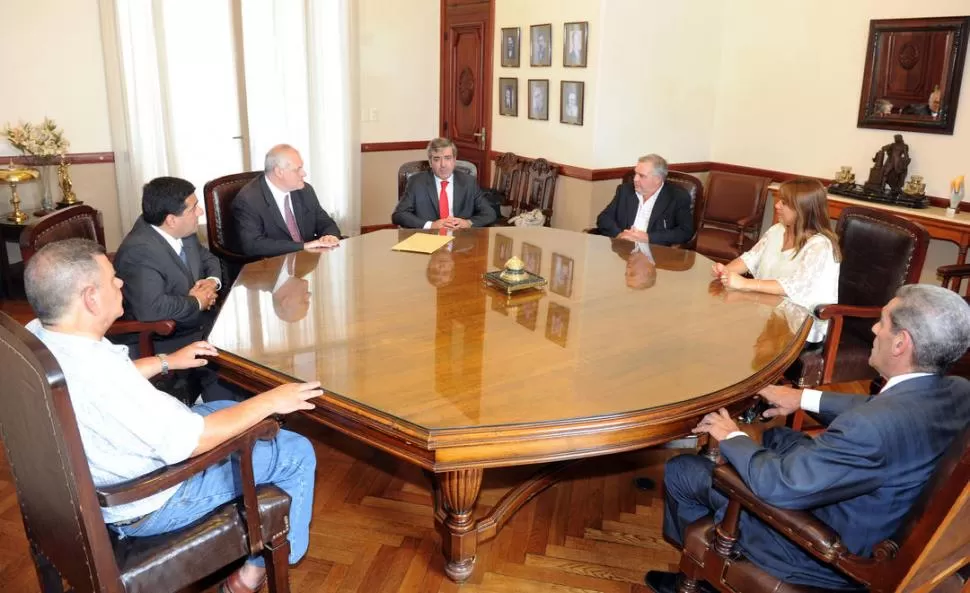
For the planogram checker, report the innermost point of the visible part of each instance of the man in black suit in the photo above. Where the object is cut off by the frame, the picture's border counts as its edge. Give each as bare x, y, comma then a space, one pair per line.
864, 473
168, 274
443, 198
648, 210
279, 213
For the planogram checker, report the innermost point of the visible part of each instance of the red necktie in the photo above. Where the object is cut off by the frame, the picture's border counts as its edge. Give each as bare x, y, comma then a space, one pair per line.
291, 220
443, 201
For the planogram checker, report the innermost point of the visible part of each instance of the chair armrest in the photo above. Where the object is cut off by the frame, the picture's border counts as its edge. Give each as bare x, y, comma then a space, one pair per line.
958, 270
801, 527
832, 311
164, 327
747, 220
166, 477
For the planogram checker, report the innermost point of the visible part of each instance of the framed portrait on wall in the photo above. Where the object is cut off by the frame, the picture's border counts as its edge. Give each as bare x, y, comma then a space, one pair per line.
575, 41
562, 275
540, 40
508, 96
571, 102
539, 99
510, 47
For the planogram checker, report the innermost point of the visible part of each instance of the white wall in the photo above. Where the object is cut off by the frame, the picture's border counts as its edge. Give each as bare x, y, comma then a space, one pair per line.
790, 83
53, 67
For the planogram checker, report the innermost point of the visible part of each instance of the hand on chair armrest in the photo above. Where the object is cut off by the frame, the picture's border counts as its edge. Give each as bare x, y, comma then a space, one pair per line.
799, 526
164, 327
166, 477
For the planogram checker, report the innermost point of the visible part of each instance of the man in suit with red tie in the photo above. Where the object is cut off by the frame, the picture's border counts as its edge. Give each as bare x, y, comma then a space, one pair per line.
278, 212
443, 198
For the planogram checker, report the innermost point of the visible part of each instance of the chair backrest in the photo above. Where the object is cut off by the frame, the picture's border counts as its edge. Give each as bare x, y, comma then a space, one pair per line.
731, 197
74, 222
410, 168
39, 431
510, 174
934, 535
220, 224
539, 189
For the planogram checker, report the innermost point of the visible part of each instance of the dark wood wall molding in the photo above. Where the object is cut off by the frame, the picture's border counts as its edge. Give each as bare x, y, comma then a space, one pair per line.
74, 158
392, 146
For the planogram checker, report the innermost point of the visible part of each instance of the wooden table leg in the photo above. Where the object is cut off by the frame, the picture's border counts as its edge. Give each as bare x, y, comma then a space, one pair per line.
459, 538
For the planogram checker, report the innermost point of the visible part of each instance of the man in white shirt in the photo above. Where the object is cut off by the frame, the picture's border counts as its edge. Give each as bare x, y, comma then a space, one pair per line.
129, 428
648, 210
863, 474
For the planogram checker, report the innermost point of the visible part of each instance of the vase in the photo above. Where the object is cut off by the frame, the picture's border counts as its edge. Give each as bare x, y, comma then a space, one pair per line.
47, 176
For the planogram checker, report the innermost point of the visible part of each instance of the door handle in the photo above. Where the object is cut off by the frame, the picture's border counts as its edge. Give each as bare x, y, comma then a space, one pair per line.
481, 138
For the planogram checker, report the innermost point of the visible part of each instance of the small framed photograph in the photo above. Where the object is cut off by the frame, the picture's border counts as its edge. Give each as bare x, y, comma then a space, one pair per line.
528, 315
540, 39
575, 41
571, 102
508, 92
532, 257
539, 99
562, 275
510, 48
502, 250
557, 323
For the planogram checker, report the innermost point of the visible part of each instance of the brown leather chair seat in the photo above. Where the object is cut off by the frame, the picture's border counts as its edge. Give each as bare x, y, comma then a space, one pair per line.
720, 244
173, 560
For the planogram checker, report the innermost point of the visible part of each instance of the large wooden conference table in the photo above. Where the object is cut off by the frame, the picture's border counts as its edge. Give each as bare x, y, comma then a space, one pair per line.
418, 358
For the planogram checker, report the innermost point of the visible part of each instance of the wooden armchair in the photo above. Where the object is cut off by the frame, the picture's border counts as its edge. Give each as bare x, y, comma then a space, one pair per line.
930, 546
61, 507
731, 220
953, 276
84, 222
510, 174
880, 253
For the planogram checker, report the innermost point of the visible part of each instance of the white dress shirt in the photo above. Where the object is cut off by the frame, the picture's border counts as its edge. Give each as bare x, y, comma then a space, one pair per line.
176, 245
279, 196
645, 209
449, 190
128, 428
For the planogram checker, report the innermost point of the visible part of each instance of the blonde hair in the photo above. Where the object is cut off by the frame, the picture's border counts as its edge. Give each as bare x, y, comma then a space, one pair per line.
807, 197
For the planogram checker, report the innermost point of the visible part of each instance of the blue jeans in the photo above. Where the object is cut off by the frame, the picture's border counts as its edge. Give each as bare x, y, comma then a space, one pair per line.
288, 461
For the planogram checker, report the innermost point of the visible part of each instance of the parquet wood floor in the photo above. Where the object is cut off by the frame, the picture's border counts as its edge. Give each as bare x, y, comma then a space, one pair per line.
373, 530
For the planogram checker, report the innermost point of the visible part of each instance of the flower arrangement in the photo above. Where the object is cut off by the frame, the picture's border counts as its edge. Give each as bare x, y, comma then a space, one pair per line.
44, 141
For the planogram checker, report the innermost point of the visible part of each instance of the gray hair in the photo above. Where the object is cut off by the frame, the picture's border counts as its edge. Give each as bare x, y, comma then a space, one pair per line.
658, 163
278, 156
937, 320
57, 273
440, 143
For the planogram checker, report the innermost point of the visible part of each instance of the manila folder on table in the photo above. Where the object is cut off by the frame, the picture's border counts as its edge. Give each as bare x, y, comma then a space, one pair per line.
422, 243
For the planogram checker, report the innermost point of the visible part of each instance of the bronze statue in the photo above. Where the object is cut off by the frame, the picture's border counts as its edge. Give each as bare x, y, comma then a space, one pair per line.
897, 162
64, 180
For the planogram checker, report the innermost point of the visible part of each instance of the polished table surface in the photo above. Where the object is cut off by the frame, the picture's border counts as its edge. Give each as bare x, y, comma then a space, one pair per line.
622, 349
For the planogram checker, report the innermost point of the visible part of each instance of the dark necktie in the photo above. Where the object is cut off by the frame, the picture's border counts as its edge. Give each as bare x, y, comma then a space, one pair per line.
291, 220
183, 256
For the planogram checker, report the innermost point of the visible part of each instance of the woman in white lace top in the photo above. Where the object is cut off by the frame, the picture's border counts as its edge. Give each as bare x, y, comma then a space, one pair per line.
798, 257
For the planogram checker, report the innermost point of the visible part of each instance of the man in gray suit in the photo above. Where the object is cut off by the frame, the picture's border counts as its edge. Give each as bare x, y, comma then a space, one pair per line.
864, 473
168, 274
443, 198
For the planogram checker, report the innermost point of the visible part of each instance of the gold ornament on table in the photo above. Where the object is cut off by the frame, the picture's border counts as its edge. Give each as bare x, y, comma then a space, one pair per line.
915, 186
14, 176
45, 144
64, 180
514, 277
845, 175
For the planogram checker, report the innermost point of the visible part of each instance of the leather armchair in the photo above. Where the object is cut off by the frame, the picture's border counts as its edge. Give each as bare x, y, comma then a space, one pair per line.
925, 552
220, 225
61, 507
880, 253
410, 168
84, 222
732, 215
953, 276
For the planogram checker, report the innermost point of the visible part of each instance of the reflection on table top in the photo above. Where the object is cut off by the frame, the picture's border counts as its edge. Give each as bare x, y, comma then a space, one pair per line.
420, 339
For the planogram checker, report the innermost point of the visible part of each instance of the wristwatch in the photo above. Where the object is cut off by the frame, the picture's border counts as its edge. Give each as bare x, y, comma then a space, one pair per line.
164, 359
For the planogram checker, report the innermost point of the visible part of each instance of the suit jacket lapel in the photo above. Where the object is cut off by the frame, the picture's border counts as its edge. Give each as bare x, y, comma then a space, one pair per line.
274, 211
193, 259
432, 195
630, 209
663, 200
457, 194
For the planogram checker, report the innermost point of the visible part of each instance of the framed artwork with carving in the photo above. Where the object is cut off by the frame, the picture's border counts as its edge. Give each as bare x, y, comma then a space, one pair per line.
571, 102
575, 41
508, 96
557, 324
562, 275
912, 75
510, 47
502, 250
532, 257
539, 99
540, 40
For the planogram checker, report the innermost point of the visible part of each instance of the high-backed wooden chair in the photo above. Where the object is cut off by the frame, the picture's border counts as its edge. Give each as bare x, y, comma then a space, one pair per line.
880, 253
952, 276
84, 222
410, 168
694, 188
220, 225
732, 215
537, 191
930, 546
61, 509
